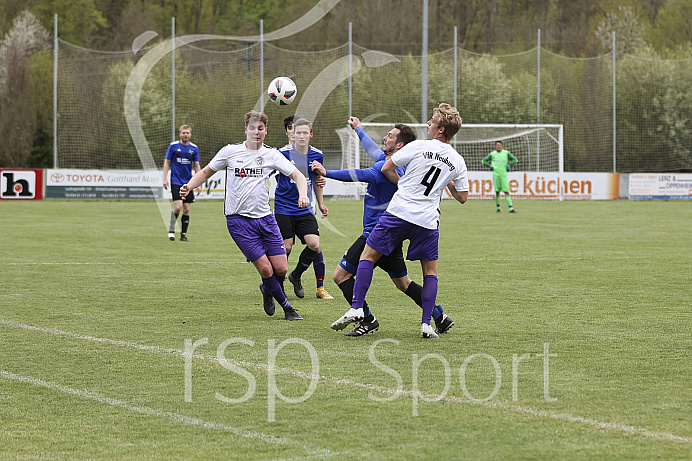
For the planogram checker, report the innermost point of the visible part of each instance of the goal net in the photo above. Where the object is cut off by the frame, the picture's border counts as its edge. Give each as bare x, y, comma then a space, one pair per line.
537, 147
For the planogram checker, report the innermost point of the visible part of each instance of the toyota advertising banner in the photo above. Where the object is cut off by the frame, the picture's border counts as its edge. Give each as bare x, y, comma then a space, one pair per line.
119, 184
21, 184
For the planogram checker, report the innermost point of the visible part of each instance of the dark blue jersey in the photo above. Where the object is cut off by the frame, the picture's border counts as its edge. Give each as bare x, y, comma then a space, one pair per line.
380, 189
286, 195
183, 160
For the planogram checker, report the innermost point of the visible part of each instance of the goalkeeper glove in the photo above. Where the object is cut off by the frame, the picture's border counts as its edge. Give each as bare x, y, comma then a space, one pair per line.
491, 168
508, 167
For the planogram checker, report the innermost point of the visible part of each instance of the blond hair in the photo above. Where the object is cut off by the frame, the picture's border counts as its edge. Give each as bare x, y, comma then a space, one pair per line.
254, 116
448, 118
302, 122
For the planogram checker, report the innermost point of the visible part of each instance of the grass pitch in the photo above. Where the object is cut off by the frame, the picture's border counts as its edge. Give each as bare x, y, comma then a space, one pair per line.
572, 340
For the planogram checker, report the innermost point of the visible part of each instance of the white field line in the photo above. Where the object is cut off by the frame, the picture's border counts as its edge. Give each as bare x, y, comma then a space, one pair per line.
159, 263
83, 393
601, 425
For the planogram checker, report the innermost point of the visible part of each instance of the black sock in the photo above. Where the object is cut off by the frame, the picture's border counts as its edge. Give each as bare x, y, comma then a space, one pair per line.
306, 258
185, 221
346, 288
415, 292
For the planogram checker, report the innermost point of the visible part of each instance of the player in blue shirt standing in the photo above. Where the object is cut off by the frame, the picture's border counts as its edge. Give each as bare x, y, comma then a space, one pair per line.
317, 263
301, 222
378, 195
181, 157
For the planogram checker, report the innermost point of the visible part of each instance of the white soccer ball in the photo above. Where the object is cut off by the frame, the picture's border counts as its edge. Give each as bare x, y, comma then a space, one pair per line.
282, 91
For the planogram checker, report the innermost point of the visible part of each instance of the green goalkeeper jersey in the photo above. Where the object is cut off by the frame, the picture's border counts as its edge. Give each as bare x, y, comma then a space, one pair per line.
499, 161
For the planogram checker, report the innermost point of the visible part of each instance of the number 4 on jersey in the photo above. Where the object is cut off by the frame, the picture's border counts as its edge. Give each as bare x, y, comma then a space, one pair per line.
430, 179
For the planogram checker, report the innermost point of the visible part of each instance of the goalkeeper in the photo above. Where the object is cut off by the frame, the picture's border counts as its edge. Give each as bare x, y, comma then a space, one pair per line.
500, 161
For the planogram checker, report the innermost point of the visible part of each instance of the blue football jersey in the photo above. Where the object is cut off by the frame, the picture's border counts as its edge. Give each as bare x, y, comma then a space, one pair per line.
183, 160
286, 195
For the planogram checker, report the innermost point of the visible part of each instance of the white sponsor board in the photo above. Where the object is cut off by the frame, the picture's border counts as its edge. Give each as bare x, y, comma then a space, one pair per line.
535, 185
72, 183
663, 186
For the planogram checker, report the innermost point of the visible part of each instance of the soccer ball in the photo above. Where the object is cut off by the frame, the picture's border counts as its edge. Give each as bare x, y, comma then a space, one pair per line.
282, 91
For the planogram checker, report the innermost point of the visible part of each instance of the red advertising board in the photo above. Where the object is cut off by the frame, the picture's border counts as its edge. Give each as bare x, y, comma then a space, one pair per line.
21, 184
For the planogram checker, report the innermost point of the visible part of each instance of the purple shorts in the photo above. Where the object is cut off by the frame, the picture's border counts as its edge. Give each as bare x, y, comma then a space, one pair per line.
391, 231
256, 236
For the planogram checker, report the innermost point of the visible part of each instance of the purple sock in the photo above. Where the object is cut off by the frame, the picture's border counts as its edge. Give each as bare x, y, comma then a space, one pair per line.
429, 295
272, 285
363, 281
318, 266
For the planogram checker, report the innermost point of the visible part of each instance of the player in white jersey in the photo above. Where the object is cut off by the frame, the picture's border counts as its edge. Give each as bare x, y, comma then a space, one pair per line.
249, 217
413, 212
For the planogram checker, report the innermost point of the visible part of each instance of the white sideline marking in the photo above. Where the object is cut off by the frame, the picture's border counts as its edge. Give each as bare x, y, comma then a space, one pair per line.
619, 427
161, 414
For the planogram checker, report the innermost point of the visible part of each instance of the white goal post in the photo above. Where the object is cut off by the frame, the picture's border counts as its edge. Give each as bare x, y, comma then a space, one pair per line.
538, 148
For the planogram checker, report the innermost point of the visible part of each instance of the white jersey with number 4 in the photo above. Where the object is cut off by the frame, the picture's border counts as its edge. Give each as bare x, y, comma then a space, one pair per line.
247, 176
431, 166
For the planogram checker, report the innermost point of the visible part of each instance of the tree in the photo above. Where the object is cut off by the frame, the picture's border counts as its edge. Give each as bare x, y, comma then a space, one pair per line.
17, 111
672, 27
627, 21
79, 21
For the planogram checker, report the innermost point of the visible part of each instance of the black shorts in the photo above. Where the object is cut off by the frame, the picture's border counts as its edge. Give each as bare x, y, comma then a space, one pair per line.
393, 263
175, 192
301, 225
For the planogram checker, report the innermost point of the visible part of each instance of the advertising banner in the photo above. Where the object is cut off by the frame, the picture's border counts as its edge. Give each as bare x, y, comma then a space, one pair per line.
662, 186
21, 184
119, 184
533, 185
139, 184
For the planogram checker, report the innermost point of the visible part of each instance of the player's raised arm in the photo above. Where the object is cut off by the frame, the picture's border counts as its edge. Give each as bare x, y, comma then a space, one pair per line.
197, 180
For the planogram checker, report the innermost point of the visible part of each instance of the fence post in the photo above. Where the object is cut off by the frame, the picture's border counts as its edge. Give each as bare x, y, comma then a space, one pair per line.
424, 77
173, 137
262, 63
614, 112
350, 70
456, 52
538, 103
55, 91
